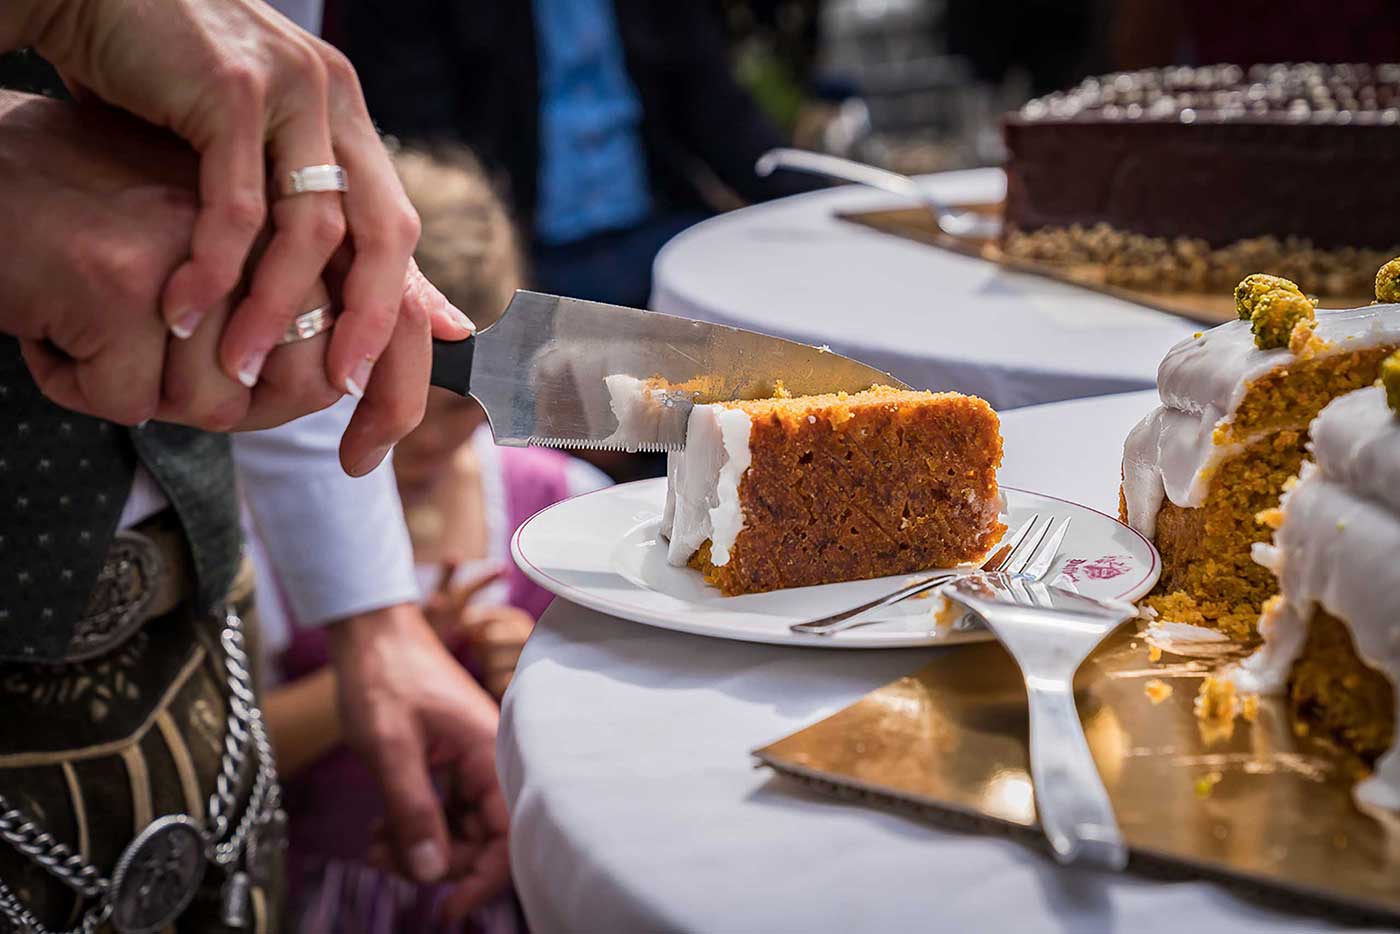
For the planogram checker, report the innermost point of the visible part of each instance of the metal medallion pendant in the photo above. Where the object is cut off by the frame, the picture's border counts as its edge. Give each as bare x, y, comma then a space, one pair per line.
265, 844
157, 875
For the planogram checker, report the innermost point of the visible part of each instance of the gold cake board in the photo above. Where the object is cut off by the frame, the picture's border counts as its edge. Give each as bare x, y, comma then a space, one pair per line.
916, 223
1251, 804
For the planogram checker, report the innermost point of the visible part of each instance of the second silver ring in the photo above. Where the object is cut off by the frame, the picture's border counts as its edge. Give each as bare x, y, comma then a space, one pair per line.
325, 177
308, 324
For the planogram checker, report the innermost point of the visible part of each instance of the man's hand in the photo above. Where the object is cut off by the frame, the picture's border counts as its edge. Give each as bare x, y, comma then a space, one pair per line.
246, 88
409, 709
96, 208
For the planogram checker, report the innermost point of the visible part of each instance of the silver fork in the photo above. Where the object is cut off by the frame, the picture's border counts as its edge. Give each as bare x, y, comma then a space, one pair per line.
1049, 631
1032, 564
952, 221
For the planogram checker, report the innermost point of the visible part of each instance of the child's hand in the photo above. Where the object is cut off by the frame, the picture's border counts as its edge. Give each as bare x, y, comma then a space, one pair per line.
446, 610
496, 635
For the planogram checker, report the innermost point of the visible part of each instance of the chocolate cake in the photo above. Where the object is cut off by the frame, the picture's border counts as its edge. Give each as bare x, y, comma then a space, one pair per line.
1193, 177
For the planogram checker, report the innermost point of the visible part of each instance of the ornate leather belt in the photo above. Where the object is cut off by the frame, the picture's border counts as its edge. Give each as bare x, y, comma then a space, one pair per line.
146, 574
159, 873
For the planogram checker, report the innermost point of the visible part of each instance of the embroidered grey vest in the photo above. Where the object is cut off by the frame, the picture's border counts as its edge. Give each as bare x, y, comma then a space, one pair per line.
63, 481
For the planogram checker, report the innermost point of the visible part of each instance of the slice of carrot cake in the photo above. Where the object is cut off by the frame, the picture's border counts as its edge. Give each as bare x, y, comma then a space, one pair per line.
1332, 634
789, 492
1232, 429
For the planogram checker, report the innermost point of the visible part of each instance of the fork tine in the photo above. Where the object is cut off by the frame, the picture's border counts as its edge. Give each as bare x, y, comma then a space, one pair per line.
1040, 594
1008, 546
1019, 558
1046, 553
1017, 588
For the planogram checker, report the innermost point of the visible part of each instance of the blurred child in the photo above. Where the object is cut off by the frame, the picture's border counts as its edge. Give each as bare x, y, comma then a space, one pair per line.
463, 498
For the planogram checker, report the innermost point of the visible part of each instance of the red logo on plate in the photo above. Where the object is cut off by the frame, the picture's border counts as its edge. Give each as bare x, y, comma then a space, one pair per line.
1099, 569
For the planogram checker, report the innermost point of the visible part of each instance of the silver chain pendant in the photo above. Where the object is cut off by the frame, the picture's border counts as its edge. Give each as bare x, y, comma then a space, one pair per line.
236, 899
265, 845
157, 875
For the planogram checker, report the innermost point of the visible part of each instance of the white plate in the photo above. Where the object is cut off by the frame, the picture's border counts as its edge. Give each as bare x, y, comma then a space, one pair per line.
603, 550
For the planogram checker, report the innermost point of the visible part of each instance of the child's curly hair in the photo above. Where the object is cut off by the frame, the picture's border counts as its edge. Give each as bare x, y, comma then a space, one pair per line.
469, 248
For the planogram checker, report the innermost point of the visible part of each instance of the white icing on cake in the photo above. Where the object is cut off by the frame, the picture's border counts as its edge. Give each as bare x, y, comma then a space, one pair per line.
727, 518
1339, 548
643, 412
1171, 453
702, 487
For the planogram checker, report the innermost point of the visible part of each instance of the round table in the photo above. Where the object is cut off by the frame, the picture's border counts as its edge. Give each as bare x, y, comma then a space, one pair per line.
635, 806
935, 319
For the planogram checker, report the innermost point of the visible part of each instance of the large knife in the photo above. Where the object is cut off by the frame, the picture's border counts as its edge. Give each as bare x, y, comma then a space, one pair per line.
563, 372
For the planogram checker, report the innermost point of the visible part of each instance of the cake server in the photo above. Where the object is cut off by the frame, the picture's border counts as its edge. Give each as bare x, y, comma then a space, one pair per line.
1049, 631
564, 372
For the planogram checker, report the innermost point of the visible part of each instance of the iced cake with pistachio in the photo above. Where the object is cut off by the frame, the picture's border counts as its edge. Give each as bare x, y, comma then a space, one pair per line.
788, 492
1203, 469
1332, 632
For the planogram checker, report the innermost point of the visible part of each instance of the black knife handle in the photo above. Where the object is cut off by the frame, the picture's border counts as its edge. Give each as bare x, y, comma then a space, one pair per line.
452, 364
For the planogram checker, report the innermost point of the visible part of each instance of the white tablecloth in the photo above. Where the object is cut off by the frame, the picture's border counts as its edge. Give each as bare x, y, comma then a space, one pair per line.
635, 807
935, 319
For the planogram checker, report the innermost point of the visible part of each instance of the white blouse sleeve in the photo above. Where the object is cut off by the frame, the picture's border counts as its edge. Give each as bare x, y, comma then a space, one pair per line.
338, 545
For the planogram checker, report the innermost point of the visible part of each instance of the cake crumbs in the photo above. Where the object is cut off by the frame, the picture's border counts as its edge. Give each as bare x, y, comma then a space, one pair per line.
1157, 691
1154, 653
947, 613
1272, 517
1205, 785
1216, 702
1303, 341
1249, 709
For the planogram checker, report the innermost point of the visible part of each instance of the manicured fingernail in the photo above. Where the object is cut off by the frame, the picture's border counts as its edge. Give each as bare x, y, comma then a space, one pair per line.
358, 379
462, 318
186, 324
371, 460
251, 368
426, 861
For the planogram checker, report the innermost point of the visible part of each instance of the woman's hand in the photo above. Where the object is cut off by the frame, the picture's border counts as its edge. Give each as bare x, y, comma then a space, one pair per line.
247, 88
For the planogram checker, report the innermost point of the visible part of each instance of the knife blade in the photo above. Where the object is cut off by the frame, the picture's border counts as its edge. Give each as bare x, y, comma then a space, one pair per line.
568, 373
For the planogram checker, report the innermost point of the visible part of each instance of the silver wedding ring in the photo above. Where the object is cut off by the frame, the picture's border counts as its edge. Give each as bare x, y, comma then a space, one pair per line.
315, 178
308, 324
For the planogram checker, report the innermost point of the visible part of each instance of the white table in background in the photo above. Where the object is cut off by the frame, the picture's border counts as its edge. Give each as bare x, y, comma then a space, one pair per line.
635, 807
935, 319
